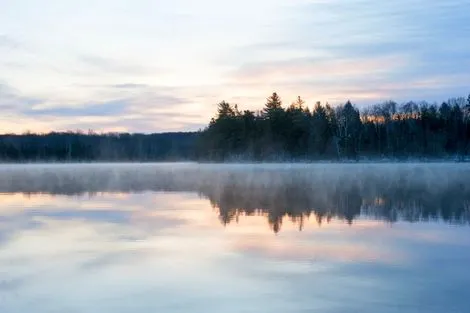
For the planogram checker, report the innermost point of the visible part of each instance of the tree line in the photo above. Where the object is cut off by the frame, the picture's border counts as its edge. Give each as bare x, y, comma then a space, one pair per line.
385, 130
78, 146
274, 133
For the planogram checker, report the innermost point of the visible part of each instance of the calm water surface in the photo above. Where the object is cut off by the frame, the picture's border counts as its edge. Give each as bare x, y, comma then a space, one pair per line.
234, 238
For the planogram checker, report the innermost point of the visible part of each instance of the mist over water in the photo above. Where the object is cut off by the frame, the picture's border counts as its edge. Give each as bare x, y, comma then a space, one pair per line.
186, 237
411, 192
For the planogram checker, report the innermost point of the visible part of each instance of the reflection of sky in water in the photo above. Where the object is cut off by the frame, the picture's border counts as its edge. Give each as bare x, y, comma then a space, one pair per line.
169, 252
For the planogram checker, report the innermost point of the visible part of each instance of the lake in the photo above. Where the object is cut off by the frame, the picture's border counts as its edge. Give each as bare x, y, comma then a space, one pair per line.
235, 238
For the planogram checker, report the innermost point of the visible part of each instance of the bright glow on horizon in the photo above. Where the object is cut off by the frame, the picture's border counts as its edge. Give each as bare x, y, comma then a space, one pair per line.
151, 66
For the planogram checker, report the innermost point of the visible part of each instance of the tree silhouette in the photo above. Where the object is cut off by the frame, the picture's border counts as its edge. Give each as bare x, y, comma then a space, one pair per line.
409, 130
297, 104
273, 104
385, 130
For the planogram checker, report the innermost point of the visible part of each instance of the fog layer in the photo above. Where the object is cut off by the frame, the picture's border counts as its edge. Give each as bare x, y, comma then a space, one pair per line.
386, 191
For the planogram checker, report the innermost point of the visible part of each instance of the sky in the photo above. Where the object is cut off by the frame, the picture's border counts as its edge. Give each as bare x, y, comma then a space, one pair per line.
156, 66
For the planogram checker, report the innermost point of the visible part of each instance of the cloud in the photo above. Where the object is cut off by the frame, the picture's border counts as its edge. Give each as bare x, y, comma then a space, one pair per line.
153, 97
8, 42
129, 86
150, 109
115, 66
89, 109
322, 69
11, 99
181, 57
337, 43
160, 122
365, 80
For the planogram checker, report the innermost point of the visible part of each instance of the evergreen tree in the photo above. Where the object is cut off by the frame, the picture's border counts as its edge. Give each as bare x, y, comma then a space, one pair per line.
298, 104
273, 104
296, 123
225, 110
349, 130
321, 131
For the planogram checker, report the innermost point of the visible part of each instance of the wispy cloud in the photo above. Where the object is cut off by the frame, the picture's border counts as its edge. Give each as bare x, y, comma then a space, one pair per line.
115, 66
11, 99
88, 109
177, 57
322, 69
129, 86
8, 42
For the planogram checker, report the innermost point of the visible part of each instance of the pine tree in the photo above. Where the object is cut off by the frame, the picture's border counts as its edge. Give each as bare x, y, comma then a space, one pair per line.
224, 109
320, 133
298, 104
273, 103
349, 128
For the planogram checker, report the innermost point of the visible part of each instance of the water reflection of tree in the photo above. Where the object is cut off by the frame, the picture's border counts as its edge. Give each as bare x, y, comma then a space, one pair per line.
389, 193
346, 202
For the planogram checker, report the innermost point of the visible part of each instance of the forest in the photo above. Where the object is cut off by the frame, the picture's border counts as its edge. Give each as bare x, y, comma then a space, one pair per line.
298, 133
86, 147
275, 133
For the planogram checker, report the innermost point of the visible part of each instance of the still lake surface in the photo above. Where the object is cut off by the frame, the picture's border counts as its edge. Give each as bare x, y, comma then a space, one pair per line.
235, 238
